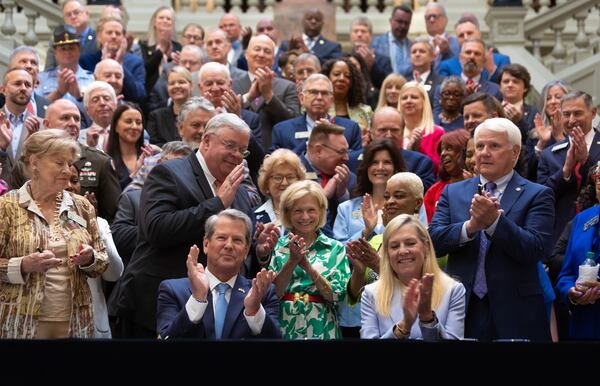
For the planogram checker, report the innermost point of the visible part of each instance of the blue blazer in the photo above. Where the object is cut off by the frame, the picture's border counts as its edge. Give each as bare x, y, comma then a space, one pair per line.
323, 49
134, 74
284, 134
585, 320
452, 66
172, 320
450, 313
416, 162
521, 238
550, 173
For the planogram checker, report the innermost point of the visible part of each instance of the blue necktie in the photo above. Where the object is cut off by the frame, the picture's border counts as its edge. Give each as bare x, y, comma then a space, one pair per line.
220, 309
480, 285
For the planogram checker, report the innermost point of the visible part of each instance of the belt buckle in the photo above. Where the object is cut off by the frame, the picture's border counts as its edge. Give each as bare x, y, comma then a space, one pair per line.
298, 297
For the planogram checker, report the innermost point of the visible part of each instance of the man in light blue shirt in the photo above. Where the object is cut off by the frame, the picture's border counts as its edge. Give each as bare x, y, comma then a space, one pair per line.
395, 43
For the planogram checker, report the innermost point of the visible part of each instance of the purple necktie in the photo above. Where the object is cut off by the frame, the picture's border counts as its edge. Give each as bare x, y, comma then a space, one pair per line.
480, 284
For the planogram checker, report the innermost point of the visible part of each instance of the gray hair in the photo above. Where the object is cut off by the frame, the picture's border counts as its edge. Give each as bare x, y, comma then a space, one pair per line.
424, 40
193, 104
364, 21
501, 125
436, 5
20, 49
587, 98
194, 49
228, 120
306, 57
214, 66
101, 64
175, 147
234, 214
457, 80
313, 78
95, 85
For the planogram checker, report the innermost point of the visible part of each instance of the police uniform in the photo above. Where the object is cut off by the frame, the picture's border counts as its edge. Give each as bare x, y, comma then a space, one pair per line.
96, 175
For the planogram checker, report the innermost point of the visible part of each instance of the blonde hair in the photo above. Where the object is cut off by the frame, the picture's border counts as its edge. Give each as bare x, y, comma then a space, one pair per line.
181, 71
151, 34
296, 191
427, 116
388, 281
390, 79
412, 181
279, 158
49, 142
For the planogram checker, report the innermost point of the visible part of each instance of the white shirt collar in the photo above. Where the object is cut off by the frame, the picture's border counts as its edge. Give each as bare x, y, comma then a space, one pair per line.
501, 183
475, 79
213, 281
209, 177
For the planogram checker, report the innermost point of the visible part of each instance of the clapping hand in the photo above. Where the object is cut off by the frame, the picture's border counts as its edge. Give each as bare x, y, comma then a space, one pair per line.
229, 187
266, 237
260, 286
5, 132
196, 274
40, 262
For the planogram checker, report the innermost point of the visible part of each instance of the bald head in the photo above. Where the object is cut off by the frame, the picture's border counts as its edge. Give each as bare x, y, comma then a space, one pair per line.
260, 53
111, 72
63, 114
387, 123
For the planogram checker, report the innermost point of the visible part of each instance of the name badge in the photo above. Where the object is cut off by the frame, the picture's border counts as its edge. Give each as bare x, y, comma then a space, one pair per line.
427, 87
360, 157
356, 214
301, 135
311, 176
593, 221
78, 219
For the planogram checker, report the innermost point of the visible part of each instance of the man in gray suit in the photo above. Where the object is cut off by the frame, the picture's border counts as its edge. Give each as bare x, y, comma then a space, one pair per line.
274, 99
16, 119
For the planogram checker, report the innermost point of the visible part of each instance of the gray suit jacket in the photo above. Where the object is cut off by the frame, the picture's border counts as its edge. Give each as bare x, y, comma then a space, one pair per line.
284, 105
450, 314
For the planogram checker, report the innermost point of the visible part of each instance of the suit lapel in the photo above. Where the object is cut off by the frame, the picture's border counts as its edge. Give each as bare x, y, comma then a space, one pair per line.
236, 305
200, 177
593, 157
513, 190
208, 319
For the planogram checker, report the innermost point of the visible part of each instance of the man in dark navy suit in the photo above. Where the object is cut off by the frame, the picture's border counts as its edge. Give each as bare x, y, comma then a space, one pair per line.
494, 237
387, 123
564, 167
215, 302
422, 56
466, 29
317, 98
361, 35
312, 38
472, 60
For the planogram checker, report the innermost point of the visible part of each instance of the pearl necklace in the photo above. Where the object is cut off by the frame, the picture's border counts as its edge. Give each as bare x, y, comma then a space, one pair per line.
55, 233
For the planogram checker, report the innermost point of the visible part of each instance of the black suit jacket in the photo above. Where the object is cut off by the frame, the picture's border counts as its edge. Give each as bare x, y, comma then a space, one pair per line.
161, 126
175, 203
382, 67
124, 228
323, 49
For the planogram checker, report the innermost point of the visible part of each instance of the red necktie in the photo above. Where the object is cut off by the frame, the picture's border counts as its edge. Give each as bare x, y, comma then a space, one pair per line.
30, 108
324, 180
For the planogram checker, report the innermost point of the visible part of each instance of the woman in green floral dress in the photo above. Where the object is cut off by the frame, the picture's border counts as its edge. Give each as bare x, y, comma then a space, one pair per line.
312, 269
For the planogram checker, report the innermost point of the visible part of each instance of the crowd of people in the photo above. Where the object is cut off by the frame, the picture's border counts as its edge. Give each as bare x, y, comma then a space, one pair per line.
229, 185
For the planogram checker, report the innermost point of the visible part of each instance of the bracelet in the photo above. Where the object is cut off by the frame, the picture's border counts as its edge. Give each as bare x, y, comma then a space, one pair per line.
432, 322
400, 332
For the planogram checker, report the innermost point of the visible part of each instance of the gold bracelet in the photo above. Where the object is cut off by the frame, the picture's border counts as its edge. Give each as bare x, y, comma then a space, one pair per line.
400, 332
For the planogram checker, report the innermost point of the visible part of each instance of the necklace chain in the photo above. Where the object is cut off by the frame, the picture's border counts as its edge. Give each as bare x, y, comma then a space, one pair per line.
56, 233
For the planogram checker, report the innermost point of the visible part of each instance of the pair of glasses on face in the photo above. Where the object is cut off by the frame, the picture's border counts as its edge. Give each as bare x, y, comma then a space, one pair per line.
339, 152
279, 178
233, 148
449, 94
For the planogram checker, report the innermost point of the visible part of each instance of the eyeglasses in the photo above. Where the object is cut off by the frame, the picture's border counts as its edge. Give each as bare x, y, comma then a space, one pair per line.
316, 93
192, 37
279, 178
450, 94
392, 130
244, 152
339, 152
75, 12
432, 16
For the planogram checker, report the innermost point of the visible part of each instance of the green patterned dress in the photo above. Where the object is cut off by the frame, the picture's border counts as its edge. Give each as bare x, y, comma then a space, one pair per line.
300, 320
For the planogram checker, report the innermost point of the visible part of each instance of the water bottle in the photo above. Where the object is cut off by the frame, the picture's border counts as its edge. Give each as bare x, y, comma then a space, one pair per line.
588, 270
